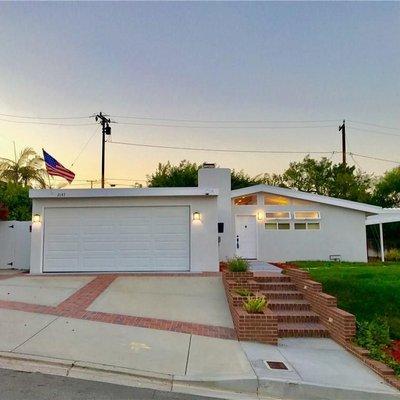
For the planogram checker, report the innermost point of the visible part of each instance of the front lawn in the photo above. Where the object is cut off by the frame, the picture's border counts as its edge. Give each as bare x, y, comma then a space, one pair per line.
365, 290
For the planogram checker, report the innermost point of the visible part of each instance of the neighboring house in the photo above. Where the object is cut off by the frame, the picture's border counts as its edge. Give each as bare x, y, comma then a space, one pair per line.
190, 229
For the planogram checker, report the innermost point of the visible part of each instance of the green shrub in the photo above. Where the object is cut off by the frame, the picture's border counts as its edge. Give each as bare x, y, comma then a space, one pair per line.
238, 264
374, 336
255, 305
392, 255
244, 292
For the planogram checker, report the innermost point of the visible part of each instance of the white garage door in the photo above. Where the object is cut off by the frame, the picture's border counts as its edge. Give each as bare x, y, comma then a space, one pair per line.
116, 239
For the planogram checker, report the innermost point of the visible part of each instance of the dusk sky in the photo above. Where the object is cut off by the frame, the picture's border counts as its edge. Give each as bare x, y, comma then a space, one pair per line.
200, 62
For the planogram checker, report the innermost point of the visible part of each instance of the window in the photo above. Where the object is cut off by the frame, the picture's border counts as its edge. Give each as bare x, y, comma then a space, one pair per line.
307, 215
245, 200
312, 225
278, 215
280, 226
306, 226
274, 200
300, 225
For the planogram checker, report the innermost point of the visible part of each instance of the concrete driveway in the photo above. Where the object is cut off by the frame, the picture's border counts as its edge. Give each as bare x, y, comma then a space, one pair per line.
191, 299
49, 290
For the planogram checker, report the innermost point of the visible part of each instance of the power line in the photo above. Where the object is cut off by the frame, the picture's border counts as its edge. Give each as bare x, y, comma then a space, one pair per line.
45, 123
224, 121
224, 127
377, 125
33, 117
371, 130
374, 158
85, 145
220, 150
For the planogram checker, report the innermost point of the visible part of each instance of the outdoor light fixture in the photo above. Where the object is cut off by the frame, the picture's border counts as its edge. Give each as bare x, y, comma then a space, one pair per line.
36, 218
260, 215
196, 216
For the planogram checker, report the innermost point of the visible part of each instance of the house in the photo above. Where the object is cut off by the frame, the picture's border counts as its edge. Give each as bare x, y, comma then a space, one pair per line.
190, 229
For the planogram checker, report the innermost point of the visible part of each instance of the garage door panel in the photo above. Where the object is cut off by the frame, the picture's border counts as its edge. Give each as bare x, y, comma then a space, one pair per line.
62, 246
98, 229
116, 239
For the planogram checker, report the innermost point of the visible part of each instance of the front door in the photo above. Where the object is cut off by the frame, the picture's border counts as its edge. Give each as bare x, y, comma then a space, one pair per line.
246, 236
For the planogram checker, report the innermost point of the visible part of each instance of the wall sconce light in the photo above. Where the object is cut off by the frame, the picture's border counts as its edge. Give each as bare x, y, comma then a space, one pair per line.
36, 218
196, 216
260, 215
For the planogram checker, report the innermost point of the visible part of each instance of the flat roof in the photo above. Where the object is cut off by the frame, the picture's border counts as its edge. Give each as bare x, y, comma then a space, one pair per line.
297, 194
120, 192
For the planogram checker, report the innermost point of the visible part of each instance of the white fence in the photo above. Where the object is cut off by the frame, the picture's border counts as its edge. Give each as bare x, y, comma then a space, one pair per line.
15, 244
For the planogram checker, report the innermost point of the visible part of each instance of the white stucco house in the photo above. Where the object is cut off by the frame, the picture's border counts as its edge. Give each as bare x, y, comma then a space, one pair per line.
190, 229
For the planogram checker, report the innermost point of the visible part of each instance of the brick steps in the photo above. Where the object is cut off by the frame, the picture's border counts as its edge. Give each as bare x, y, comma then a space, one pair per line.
296, 316
276, 286
283, 294
270, 277
288, 304
286, 329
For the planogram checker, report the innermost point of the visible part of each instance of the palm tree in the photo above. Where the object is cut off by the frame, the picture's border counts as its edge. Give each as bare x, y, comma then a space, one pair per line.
26, 170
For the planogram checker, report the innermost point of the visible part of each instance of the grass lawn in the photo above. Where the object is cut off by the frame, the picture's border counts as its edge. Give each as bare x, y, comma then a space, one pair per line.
365, 290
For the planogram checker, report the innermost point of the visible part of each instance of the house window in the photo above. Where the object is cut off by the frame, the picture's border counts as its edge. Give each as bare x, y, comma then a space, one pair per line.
245, 200
277, 226
306, 226
278, 215
274, 200
307, 215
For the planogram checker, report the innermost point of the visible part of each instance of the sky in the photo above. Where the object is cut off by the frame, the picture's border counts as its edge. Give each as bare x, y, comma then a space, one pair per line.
230, 62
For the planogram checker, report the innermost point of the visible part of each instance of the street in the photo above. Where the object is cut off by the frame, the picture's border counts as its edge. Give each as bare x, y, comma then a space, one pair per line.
16, 385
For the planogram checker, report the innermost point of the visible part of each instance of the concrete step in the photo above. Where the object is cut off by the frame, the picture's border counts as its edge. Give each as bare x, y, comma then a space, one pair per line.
296, 316
286, 329
288, 304
278, 286
283, 294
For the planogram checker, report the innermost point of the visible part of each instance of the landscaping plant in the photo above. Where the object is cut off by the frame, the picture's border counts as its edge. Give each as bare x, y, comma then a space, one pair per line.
374, 336
255, 305
244, 292
393, 255
238, 264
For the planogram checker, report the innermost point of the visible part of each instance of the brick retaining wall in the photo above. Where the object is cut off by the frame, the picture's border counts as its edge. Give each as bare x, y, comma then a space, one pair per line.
261, 327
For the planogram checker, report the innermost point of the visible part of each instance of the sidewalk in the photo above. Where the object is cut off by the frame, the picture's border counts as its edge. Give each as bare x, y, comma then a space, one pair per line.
78, 330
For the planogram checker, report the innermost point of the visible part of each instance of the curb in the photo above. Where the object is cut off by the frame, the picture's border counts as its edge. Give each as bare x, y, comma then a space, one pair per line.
228, 387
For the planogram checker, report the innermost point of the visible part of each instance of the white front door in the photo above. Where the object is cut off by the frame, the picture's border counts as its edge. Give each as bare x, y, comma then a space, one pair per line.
246, 236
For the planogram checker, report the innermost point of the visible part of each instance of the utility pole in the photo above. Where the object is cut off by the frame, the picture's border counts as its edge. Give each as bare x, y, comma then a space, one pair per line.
106, 130
342, 128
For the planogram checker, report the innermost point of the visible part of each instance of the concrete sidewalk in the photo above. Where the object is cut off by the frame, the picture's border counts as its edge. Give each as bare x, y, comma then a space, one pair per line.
318, 368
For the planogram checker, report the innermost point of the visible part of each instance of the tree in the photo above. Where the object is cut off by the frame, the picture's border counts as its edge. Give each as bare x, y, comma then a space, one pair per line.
26, 170
239, 179
185, 175
16, 199
167, 175
328, 179
387, 189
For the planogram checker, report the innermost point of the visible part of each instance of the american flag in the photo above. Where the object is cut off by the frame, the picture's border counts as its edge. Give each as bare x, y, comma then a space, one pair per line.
54, 168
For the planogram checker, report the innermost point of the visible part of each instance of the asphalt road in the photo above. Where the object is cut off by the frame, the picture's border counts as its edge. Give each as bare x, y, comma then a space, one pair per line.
16, 385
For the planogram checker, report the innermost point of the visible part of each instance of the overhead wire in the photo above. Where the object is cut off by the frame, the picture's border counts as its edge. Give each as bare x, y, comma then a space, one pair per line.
46, 123
223, 121
219, 150
35, 117
371, 124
